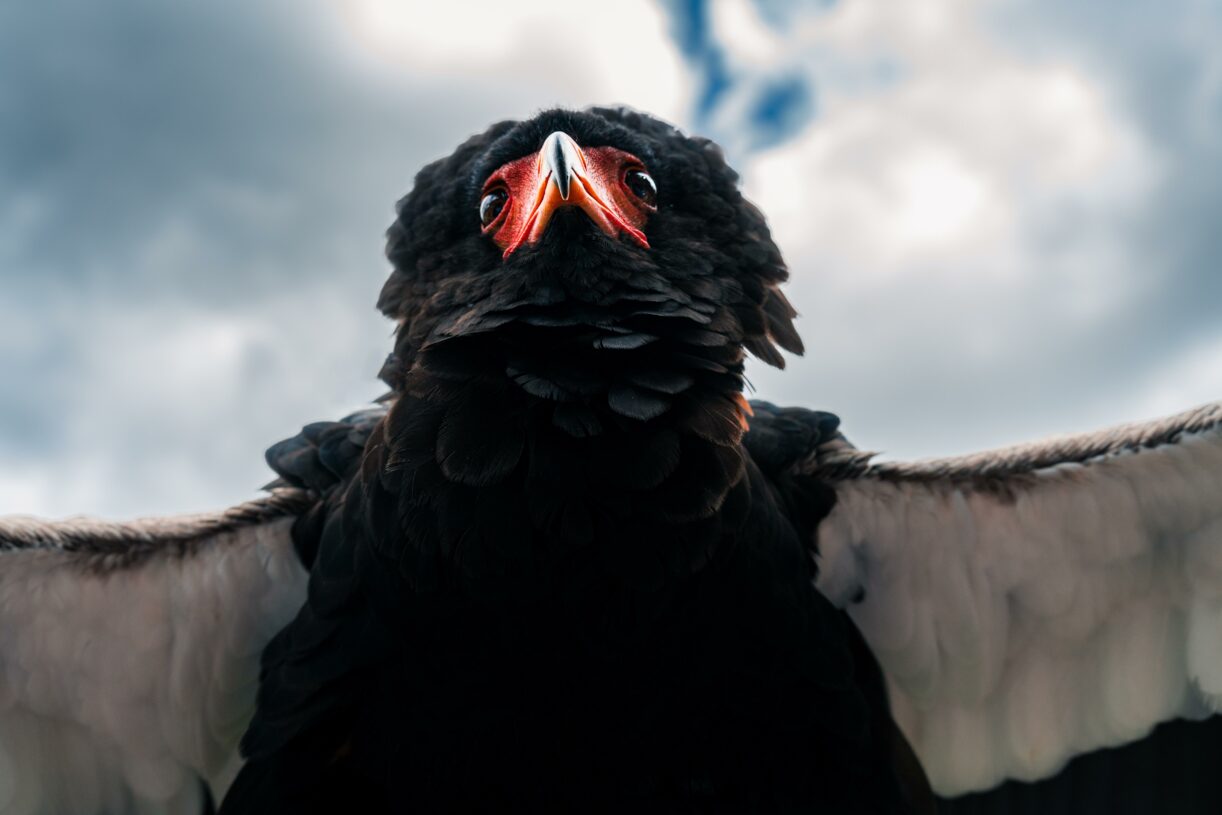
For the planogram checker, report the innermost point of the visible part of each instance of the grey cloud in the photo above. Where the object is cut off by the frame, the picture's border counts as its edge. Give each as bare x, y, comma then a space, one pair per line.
1162, 63
170, 172
901, 365
166, 169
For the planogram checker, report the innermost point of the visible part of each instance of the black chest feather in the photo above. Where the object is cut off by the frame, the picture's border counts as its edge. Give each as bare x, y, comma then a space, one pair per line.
506, 615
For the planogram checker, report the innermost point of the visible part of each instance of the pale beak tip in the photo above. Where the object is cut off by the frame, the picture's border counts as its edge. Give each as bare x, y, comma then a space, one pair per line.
562, 158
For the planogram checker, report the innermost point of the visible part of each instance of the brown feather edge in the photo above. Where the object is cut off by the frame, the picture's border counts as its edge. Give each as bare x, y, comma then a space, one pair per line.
109, 545
838, 460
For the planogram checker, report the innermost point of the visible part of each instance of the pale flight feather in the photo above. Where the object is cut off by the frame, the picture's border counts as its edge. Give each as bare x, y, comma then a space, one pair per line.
129, 654
1038, 602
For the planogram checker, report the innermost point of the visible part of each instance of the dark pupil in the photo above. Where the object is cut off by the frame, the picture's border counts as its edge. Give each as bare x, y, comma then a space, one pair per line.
491, 206
642, 186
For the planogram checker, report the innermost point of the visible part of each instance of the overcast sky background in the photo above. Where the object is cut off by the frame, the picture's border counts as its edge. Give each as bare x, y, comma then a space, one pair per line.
1002, 218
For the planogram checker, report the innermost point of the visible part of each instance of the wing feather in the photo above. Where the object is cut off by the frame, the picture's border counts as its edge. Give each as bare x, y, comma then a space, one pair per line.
1039, 602
129, 653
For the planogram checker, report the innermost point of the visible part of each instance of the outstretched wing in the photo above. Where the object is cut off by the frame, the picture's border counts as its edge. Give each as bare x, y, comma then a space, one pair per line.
129, 653
1035, 603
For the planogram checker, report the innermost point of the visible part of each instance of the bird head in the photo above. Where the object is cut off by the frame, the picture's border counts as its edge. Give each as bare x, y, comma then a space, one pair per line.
597, 254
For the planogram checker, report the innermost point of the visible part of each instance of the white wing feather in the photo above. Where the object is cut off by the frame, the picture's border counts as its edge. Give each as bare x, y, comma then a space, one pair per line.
1026, 611
129, 657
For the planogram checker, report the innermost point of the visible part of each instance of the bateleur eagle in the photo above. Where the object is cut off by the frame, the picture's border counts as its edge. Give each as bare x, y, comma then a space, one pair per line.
567, 566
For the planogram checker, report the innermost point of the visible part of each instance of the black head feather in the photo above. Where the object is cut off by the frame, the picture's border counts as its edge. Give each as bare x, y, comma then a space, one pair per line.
621, 351
709, 278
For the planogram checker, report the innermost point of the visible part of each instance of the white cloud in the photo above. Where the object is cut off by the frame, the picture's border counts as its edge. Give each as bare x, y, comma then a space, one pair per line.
170, 410
954, 154
572, 53
745, 36
960, 233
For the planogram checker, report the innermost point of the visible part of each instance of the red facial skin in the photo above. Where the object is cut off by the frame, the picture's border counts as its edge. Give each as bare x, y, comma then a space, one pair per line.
597, 187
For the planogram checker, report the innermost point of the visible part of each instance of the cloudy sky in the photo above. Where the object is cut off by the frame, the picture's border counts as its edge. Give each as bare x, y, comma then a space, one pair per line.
1001, 217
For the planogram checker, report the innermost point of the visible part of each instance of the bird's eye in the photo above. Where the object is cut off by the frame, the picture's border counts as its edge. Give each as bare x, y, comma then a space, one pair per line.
491, 205
642, 186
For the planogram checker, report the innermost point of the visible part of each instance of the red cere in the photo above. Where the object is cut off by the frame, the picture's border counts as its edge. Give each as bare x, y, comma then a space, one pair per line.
596, 186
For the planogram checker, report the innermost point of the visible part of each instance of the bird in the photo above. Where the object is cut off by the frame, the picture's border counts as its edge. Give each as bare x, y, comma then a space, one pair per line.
566, 565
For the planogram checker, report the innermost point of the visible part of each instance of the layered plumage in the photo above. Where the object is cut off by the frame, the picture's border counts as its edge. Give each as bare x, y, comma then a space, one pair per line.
567, 566
559, 579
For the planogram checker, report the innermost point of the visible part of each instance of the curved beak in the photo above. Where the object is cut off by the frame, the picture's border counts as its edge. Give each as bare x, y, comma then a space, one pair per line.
565, 177
561, 157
